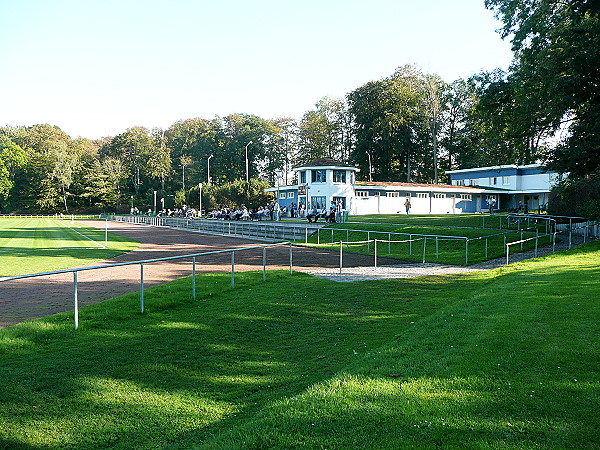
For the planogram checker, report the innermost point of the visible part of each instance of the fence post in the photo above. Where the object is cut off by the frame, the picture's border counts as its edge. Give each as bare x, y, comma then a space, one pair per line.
410, 244
486, 248
194, 277
306, 235
521, 239
467, 251
264, 263
554, 242
375, 252
369, 241
232, 269
291, 261
75, 302
318, 236
332, 235
507, 251
389, 243
341, 260
142, 288
536, 245
424, 248
437, 255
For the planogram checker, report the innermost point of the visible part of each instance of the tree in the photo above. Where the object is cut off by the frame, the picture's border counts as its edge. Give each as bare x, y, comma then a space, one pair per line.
557, 46
12, 158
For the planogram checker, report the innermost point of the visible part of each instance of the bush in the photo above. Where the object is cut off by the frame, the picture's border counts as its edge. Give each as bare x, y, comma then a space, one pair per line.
576, 197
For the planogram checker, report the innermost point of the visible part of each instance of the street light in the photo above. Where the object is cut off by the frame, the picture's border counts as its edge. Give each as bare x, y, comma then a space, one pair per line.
247, 160
370, 167
200, 200
208, 169
154, 202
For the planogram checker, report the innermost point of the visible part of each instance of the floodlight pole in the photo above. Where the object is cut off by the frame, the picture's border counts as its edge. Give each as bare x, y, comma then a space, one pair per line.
154, 202
370, 167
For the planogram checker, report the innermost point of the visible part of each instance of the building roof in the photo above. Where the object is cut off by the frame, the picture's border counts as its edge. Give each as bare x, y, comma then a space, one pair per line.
499, 167
412, 185
325, 162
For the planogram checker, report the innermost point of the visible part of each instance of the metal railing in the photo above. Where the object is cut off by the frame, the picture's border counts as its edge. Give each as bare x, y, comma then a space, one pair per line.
141, 263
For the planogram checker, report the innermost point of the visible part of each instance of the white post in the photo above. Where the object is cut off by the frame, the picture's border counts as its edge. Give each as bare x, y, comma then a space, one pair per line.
75, 301
232, 270
194, 277
141, 287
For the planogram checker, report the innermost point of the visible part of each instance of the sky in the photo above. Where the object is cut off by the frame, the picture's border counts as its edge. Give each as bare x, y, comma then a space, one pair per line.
97, 67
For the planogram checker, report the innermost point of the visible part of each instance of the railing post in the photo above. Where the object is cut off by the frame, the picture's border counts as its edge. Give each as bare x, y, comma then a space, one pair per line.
375, 252
318, 236
424, 248
437, 255
75, 301
486, 248
467, 251
306, 234
369, 241
291, 260
341, 260
142, 288
332, 235
232, 269
507, 251
521, 239
389, 243
194, 277
410, 244
264, 263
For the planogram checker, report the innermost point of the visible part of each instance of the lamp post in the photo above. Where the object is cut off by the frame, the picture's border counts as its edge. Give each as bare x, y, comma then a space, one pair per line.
208, 169
247, 160
162, 201
370, 167
199, 199
132, 202
154, 202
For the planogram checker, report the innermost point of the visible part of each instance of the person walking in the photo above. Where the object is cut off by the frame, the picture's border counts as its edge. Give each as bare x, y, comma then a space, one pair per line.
407, 205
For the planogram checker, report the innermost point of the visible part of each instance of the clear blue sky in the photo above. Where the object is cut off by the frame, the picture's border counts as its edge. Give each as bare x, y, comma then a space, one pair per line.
96, 67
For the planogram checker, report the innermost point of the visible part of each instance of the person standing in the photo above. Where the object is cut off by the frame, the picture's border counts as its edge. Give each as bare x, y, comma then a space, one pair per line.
407, 205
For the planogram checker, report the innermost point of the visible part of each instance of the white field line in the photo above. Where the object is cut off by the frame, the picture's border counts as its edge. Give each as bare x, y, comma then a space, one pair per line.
81, 234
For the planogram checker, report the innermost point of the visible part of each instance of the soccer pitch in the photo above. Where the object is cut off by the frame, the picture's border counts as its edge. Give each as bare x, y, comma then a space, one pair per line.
29, 245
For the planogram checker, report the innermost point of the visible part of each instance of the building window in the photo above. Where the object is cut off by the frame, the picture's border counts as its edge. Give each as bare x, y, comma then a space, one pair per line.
465, 196
362, 193
393, 194
460, 183
438, 195
422, 195
408, 194
291, 195
505, 180
318, 176
376, 193
493, 181
303, 177
282, 195
339, 176
318, 202
473, 182
490, 197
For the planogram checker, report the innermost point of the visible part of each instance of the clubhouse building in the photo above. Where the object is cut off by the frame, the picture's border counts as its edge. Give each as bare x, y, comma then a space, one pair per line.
323, 182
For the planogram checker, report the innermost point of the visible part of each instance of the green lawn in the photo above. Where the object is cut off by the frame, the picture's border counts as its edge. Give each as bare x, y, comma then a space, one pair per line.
485, 243
501, 359
31, 245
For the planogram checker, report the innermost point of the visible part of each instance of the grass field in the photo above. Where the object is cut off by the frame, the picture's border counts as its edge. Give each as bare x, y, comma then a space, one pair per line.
501, 359
30, 245
485, 243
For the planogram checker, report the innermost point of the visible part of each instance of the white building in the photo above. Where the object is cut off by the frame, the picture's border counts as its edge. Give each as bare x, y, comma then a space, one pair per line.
326, 181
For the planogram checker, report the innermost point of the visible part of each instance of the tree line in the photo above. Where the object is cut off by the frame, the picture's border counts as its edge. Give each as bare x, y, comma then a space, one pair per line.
409, 126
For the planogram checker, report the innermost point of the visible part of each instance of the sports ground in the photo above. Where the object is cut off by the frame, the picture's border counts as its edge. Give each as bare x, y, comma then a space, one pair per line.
505, 358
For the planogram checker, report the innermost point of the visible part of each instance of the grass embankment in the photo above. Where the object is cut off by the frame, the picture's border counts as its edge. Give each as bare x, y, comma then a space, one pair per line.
31, 245
500, 359
484, 243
